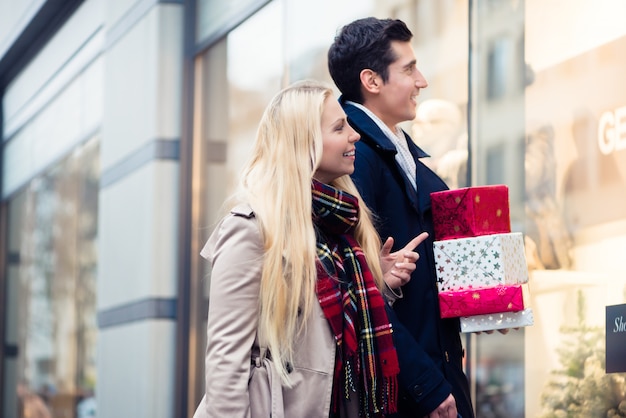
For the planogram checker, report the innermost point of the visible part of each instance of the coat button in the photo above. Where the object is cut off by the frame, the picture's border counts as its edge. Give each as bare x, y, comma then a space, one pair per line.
417, 390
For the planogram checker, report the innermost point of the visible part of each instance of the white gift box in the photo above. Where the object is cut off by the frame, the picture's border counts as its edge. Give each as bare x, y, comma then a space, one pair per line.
487, 260
495, 321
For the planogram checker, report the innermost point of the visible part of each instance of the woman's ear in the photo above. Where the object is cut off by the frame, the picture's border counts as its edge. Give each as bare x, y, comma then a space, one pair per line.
370, 80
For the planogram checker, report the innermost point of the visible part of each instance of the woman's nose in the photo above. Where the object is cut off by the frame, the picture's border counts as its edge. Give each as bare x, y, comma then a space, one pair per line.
355, 136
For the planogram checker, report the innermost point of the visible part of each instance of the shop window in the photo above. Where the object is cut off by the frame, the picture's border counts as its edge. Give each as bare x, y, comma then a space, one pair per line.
214, 18
51, 291
288, 40
238, 75
576, 205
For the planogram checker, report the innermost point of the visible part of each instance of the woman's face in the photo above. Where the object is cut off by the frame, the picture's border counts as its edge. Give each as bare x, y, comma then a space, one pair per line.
338, 139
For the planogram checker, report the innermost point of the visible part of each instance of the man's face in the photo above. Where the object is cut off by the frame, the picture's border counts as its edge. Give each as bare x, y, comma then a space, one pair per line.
397, 98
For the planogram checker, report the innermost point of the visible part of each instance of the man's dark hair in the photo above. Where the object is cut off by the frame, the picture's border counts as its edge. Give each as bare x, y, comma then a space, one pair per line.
364, 44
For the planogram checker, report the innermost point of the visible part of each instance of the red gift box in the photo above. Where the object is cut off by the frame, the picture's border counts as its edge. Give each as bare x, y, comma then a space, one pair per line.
471, 212
481, 301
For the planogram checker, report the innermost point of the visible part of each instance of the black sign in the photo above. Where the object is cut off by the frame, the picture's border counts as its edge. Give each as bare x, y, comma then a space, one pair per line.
616, 339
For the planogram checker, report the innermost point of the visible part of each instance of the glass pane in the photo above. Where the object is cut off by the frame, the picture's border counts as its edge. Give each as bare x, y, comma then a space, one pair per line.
52, 272
215, 17
314, 27
288, 40
440, 30
233, 95
497, 111
575, 204
237, 77
73, 115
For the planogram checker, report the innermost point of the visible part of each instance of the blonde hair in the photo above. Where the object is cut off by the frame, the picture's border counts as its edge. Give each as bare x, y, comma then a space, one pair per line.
276, 182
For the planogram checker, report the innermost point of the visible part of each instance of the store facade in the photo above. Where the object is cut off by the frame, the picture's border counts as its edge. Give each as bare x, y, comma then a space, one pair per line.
125, 131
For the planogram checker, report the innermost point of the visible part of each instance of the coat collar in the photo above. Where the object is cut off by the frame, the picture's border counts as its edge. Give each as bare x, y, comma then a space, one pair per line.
371, 129
375, 137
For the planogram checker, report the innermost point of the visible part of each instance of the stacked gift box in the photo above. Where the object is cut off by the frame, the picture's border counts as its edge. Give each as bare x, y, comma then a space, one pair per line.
481, 268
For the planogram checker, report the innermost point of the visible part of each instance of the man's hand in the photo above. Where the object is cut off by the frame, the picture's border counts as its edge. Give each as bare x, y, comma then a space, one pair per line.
398, 266
447, 409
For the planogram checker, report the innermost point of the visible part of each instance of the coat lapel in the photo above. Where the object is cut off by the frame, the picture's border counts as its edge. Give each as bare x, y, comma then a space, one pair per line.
372, 135
427, 182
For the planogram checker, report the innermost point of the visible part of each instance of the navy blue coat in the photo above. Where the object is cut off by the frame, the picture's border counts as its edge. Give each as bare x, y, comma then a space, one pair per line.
429, 348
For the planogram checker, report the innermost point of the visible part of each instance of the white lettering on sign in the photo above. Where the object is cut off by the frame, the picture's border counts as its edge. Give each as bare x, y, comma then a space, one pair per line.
612, 131
620, 325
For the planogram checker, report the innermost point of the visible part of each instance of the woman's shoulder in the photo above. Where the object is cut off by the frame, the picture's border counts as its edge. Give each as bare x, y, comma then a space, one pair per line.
242, 209
238, 228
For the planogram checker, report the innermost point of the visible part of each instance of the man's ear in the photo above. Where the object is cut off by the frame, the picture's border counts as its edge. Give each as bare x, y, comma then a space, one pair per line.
370, 81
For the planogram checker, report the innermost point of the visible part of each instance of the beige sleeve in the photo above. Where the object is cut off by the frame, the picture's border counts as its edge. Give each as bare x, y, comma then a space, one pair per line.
236, 255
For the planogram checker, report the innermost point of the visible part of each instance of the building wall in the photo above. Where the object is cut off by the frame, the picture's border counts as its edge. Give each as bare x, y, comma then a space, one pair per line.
138, 208
51, 117
112, 71
58, 93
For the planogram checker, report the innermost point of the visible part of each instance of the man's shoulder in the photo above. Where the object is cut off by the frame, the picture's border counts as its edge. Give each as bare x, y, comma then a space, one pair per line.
357, 116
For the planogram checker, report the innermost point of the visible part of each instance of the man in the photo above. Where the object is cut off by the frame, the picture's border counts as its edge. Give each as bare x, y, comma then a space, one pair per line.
373, 64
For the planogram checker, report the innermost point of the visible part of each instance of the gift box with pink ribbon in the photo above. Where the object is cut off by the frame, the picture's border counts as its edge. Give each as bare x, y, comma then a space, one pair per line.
486, 300
479, 276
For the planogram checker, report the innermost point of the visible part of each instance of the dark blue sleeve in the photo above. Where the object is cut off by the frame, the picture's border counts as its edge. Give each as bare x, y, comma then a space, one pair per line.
422, 386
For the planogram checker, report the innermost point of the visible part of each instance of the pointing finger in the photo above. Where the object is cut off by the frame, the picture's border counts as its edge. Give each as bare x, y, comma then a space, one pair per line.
416, 241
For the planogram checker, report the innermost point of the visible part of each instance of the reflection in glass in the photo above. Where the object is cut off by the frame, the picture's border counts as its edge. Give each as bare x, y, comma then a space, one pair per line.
497, 71
581, 387
576, 177
497, 157
215, 17
238, 77
254, 68
53, 231
440, 128
547, 237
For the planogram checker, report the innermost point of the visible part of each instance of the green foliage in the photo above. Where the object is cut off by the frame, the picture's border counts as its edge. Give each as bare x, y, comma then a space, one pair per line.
582, 388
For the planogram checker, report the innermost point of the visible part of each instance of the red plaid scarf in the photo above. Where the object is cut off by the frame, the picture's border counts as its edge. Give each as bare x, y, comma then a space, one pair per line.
353, 307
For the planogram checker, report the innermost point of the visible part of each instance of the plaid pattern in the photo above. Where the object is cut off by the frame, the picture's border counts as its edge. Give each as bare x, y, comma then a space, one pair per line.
366, 360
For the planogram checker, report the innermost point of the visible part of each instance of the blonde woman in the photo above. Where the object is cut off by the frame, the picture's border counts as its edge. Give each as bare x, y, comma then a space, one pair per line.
297, 325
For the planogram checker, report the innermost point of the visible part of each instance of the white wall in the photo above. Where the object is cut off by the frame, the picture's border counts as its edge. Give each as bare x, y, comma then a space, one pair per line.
138, 215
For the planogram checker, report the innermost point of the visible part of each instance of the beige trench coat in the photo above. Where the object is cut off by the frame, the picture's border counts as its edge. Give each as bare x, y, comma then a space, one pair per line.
236, 251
